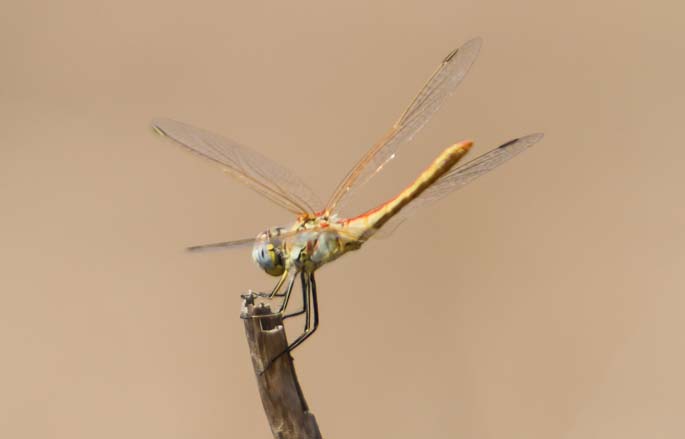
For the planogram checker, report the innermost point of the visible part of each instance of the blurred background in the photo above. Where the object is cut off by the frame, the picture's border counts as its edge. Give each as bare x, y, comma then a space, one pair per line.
544, 300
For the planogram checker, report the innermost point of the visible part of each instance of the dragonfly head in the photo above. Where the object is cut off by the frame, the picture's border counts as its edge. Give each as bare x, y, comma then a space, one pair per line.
268, 254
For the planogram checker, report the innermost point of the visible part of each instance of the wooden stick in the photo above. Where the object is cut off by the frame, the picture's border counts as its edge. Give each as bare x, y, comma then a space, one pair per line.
282, 398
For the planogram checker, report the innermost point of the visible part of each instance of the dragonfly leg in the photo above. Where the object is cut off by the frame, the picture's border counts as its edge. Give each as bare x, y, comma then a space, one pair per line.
313, 310
307, 317
286, 295
305, 301
276, 289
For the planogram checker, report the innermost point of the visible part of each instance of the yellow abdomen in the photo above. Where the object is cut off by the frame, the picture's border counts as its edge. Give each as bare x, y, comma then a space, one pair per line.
365, 225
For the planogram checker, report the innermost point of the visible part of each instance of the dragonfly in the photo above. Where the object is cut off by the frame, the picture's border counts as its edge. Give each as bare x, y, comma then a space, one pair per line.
320, 234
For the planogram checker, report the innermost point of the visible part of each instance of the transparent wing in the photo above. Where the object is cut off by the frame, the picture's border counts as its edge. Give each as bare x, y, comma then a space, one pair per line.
258, 172
460, 177
239, 243
440, 85
249, 242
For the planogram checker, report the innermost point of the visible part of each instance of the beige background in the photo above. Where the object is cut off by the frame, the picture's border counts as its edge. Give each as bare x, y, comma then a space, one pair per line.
544, 301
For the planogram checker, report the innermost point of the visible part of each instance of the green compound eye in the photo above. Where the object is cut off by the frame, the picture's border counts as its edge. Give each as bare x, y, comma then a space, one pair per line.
269, 258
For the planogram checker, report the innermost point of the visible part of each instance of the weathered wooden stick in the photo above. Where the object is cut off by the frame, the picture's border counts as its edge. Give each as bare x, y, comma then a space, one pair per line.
282, 398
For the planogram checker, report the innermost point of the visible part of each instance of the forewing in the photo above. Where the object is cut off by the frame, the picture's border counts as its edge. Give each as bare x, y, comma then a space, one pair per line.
239, 243
266, 177
461, 176
441, 84
249, 242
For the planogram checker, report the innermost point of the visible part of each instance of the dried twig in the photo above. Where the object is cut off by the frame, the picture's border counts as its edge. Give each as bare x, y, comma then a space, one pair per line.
282, 398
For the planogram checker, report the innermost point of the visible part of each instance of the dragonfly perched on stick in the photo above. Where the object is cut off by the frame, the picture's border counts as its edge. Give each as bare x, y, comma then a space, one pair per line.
319, 235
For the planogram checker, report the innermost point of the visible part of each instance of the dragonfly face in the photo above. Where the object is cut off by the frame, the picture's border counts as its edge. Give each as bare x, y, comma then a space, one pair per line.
268, 252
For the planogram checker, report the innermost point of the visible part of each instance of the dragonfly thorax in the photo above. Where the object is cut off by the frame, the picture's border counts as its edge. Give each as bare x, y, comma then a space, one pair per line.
304, 246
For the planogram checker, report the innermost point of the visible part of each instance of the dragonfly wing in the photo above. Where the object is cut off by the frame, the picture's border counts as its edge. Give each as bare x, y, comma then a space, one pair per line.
266, 177
240, 243
249, 242
441, 84
460, 177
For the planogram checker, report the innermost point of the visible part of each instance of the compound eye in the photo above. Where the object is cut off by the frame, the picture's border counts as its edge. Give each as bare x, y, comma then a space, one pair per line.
269, 258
